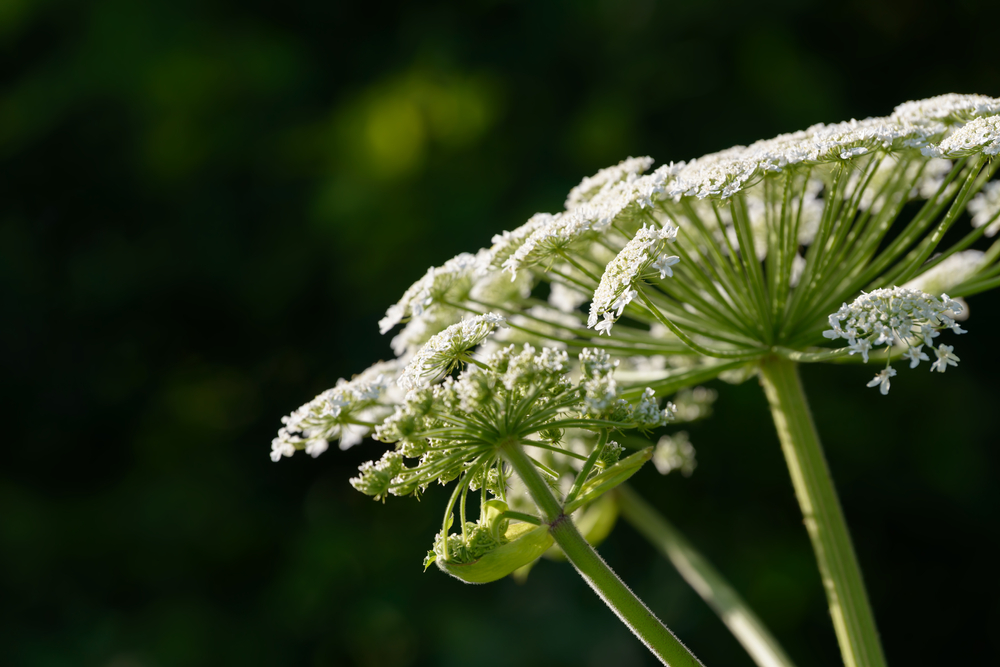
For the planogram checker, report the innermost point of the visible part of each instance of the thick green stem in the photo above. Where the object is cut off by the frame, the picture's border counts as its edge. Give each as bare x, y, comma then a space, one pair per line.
853, 620
629, 608
704, 579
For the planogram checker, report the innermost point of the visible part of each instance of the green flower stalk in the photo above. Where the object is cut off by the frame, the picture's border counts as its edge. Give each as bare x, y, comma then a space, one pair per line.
823, 245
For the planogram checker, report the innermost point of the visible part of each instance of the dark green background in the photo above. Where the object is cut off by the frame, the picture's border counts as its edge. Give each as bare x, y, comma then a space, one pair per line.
205, 207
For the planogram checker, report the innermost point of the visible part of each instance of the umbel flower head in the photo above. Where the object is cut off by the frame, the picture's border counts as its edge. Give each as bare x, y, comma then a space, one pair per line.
741, 254
444, 351
457, 429
897, 316
692, 271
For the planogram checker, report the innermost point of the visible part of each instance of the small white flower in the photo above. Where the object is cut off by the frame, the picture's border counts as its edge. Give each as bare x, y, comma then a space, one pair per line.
604, 326
915, 354
663, 265
623, 301
882, 379
928, 333
945, 358
862, 347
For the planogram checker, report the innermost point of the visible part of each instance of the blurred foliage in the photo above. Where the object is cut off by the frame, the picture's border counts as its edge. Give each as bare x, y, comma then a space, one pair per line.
206, 206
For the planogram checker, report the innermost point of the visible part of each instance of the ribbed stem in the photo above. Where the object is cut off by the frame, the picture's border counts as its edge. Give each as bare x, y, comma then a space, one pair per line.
629, 608
853, 620
748, 629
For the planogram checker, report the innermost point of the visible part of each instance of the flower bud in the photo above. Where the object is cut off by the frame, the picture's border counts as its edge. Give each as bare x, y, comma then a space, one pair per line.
492, 549
526, 543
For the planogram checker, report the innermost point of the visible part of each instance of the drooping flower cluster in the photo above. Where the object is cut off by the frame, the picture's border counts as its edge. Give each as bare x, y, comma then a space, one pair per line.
897, 316
643, 253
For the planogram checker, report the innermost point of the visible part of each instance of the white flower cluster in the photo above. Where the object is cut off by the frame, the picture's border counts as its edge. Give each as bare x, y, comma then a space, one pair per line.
949, 273
506, 243
591, 186
985, 208
675, 452
647, 413
643, 252
524, 368
376, 477
565, 230
946, 109
915, 125
897, 315
979, 135
694, 404
727, 172
601, 395
445, 350
453, 279
600, 391
333, 414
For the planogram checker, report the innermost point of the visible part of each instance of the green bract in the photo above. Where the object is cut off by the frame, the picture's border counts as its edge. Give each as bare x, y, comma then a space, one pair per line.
490, 549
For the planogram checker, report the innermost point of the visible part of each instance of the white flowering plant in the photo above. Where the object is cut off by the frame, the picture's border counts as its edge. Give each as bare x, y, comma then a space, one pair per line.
516, 364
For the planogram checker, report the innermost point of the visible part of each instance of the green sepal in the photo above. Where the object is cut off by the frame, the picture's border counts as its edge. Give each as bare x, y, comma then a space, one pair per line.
526, 543
603, 482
